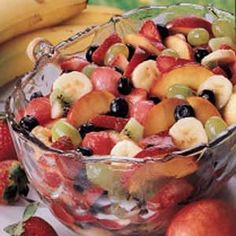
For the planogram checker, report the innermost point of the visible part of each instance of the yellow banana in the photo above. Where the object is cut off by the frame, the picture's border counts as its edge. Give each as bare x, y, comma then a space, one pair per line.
94, 14
21, 16
13, 58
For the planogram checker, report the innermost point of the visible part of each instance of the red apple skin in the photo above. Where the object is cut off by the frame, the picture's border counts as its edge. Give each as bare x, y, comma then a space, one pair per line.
204, 218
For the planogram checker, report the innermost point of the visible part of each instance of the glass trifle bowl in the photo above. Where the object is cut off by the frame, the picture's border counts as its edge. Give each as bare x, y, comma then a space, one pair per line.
112, 194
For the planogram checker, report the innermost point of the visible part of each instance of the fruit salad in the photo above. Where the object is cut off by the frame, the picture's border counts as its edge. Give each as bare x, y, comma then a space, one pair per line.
141, 97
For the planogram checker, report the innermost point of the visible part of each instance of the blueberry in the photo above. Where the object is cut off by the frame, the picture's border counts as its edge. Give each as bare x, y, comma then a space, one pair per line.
152, 57
90, 52
131, 51
85, 151
118, 69
37, 94
89, 127
209, 95
154, 99
124, 86
28, 123
200, 53
164, 32
119, 107
183, 111
81, 181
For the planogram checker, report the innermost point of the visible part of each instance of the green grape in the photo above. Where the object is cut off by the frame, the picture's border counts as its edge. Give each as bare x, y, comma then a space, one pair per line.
198, 36
169, 52
215, 43
179, 91
214, 126
114, 50
89, 69
63, 128
223, 27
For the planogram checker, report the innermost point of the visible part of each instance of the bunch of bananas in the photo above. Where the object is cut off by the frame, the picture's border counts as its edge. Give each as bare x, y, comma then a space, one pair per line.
22, 21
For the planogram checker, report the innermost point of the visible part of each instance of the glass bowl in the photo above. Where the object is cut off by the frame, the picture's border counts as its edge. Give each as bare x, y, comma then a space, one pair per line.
135, 196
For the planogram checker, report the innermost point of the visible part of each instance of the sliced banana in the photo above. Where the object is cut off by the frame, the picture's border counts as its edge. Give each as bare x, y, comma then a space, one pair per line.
74, 85
145, 74
215, 43
220, 56
125, 148
229, 113
43, 134
221, 87
188, 132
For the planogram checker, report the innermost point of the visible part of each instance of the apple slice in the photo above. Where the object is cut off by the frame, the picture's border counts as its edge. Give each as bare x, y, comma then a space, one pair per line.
186, 24
178, 167
140, 41
90, 105
191, 75
183, 49
203, 108
161, 116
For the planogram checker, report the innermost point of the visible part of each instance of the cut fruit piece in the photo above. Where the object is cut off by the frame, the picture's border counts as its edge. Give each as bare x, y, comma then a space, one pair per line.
140, 41
221, 87
179, 91
187, 23
203, 108
161, 116
216, 43
133, 129
190, 75
219, 57
188, 132
183, 49
73, 64
90, 105
230, 110
178, 167
150, 31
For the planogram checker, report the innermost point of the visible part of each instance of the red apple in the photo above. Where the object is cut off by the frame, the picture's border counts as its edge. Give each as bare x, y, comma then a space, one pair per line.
204, 218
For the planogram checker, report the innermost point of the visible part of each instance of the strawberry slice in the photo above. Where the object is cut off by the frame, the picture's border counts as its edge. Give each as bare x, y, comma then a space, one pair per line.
63, 143
100, 143
99, 53
136, 95
166, 63
105, 78
219, 71
150, 31
139, 56
40, 108
109, 122
120, 61
73, 64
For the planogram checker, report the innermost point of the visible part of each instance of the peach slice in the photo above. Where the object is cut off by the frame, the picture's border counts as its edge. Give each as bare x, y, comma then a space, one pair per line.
191, 75
141, 42
203, 108
183, 49
90, 105
186, 24
178, 167
161, 116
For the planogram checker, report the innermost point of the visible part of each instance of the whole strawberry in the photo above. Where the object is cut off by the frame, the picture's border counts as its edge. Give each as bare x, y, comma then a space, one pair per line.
13, 181
31, 225
7, 150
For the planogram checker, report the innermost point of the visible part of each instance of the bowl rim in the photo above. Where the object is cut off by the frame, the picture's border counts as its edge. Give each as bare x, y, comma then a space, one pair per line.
201, 148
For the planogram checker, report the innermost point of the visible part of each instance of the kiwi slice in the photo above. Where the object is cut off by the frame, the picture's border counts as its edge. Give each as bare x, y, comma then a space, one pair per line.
133, 129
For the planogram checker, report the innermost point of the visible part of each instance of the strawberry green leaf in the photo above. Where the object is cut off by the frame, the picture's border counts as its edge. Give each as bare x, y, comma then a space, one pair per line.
30, 211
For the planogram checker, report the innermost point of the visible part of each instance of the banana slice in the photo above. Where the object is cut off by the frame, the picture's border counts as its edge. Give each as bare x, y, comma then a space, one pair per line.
188, 132
74, 85
43, 134
126, 148
145, 74
221, 87
230, 110
220, 56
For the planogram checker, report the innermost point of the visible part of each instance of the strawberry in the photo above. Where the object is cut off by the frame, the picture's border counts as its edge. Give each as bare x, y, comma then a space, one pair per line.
63, 143
100, 143
150, 31
39, 108
105, 78
13, 181
99, 53
109, 122
140, 109
137, 95
166, 63
31, 225
219, 71
155, 152
7, 150
225, 46
139, 56
120, 61
73, 64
